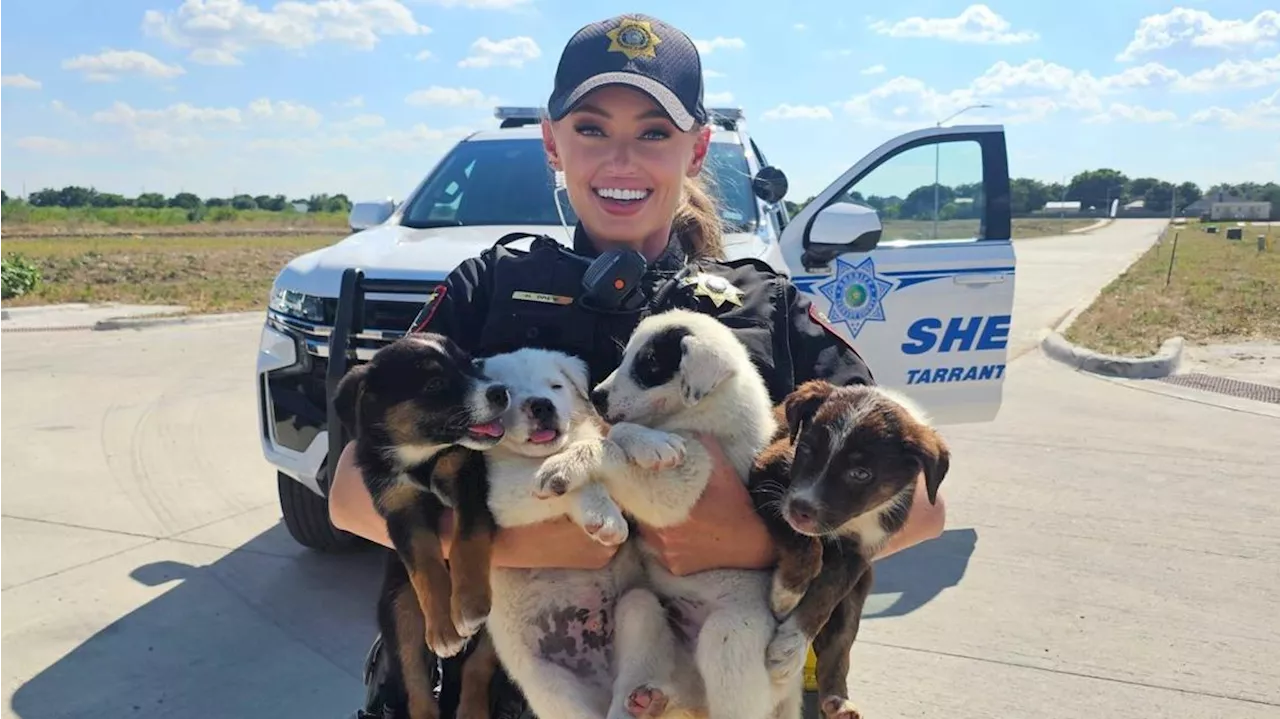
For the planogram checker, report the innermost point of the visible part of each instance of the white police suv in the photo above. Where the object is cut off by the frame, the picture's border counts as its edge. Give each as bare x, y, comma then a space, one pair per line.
908, 255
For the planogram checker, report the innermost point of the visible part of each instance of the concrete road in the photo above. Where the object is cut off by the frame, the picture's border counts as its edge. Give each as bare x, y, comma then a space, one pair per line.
1058, 274
1110, 553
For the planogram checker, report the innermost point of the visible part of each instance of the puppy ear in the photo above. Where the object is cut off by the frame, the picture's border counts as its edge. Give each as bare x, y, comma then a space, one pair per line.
702, 369
575, 371
803, 402
934, 457
346, 398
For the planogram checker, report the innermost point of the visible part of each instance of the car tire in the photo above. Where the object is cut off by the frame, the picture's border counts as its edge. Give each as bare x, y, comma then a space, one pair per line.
306, 514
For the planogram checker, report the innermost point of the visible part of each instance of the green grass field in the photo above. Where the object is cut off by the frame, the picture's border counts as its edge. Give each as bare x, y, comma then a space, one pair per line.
1220, 291
207, 274
23, 220
1023, 228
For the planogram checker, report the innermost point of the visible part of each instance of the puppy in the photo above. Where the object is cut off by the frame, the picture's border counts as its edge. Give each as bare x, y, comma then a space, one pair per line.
417, 410
832, 490
553, 628
682, 373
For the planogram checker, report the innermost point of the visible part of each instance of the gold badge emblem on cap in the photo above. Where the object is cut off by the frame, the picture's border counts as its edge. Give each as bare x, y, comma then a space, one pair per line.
716, 288
633, 38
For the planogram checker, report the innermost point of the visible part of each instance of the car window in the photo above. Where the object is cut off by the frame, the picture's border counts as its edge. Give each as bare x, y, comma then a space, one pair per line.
508, 182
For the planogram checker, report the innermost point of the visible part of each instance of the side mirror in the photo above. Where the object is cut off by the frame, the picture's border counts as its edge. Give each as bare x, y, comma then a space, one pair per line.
838, 229
770, 184
364, 215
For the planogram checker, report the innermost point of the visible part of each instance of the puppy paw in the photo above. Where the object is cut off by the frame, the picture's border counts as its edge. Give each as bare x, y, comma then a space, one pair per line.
646, 448
834, 707
787, 651
607, 529
469, 615
565, 472
646, 701
783, 598
445, 641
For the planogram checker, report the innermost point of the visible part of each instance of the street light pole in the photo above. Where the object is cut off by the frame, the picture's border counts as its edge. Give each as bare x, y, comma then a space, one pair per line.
937, 159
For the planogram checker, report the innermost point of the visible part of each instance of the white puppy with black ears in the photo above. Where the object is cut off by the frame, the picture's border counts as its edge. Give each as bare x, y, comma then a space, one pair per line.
682, 374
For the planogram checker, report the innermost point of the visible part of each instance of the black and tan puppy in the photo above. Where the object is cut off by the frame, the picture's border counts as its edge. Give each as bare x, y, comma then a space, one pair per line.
421, 412
832, 491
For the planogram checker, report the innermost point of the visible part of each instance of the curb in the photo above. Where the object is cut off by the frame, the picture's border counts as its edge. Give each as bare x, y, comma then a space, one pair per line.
1095, 226
138, 323
1162, 364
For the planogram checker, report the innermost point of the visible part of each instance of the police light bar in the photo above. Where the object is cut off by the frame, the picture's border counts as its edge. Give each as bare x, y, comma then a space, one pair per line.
508, 112
728, 113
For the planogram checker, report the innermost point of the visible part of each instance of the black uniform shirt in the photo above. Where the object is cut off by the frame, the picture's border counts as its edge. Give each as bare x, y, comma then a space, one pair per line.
504, 300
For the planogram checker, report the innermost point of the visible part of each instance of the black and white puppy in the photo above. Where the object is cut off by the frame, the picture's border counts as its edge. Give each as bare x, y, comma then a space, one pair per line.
421, 411
683, 374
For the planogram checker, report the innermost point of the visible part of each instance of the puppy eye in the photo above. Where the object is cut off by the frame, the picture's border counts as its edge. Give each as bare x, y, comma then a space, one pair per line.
860, 475
557, 387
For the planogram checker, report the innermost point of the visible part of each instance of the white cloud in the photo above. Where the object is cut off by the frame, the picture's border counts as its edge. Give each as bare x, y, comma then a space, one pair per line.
711, 74
481, 4
285, 111
1025, 92
873, 70
423, 55
718, 98
353, 101
800, 27
1200, 29
511, 52
797, 112
362, 121
706, 47
122, 113
109, 65
1261, 115
450, 97
1131, 113
46, 145
21, 82
218, 31
975, 24
1232, 75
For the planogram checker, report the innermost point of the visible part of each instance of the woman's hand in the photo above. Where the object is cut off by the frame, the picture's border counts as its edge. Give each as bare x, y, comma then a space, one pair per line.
723, 529
556, 543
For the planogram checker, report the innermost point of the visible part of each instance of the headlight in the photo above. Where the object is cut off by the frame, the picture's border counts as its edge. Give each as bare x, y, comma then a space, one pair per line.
296, 304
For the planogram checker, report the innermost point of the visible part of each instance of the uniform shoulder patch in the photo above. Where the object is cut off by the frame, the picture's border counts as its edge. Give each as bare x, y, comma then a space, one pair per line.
820, 319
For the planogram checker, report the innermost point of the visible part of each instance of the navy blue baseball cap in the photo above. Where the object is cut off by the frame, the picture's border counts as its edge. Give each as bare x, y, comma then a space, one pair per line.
636, 50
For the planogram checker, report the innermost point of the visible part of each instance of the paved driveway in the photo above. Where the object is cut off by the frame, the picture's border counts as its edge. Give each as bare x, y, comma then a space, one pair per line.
1111, 552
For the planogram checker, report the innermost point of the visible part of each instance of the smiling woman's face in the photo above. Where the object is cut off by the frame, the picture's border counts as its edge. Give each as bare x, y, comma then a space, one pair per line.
624, 164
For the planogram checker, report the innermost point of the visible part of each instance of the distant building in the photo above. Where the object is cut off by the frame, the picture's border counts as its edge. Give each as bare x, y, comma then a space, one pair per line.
1223, 206
1067, 206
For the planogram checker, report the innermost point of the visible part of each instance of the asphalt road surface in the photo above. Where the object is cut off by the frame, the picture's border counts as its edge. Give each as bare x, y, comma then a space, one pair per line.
1111, 552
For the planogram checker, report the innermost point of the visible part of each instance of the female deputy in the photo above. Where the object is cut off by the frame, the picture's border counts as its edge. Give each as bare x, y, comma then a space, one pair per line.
628, 128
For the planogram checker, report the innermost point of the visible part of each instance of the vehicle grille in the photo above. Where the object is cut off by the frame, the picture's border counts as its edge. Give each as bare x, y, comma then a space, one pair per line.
384, 321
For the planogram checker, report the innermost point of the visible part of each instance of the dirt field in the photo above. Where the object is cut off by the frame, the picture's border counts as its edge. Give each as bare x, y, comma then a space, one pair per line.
207, 274
1219, 291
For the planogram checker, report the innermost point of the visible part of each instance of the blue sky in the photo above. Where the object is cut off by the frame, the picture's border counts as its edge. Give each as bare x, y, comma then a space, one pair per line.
362, 96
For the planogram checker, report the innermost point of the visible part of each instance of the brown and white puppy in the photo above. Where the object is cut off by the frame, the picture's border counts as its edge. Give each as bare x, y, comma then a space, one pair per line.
421, 411
832, 490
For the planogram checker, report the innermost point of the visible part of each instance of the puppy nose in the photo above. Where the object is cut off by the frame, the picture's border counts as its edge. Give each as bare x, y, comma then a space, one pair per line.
600, 400
497, 395
542, 409
802, 511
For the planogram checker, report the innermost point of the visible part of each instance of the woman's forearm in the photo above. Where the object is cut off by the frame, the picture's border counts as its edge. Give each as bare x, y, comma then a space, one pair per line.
557, 543
924, 522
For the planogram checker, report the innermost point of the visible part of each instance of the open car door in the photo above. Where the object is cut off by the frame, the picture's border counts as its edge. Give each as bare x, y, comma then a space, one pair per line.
909, 256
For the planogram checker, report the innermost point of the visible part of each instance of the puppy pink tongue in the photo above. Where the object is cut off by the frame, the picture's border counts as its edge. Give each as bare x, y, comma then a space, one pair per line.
489, 429
542, 435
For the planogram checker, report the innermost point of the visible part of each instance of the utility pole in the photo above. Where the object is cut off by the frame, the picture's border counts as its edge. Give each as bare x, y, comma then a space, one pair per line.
937, 160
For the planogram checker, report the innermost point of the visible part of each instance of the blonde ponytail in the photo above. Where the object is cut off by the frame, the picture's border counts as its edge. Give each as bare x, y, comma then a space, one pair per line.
697, 221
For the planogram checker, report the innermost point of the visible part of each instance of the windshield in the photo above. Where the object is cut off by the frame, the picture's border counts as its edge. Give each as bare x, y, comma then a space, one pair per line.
508, 182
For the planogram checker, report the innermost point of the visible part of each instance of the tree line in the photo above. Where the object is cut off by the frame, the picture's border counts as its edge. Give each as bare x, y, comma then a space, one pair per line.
75, 196
1093, 189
